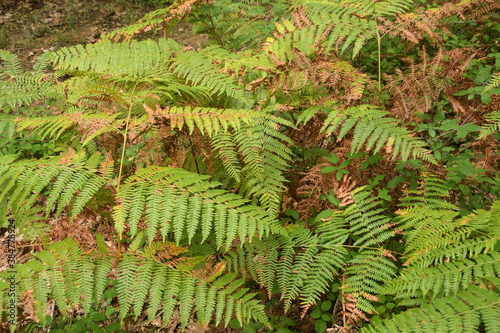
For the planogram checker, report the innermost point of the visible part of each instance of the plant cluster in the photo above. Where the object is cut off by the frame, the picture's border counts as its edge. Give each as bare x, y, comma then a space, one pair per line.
319, 166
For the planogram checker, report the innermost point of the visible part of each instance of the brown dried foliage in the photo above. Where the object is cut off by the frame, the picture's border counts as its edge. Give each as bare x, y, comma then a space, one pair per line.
424, 83
429, 81
431, 24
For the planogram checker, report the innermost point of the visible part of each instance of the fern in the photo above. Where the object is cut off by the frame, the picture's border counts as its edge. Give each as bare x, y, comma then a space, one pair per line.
53, 273
68, 184
46, 127
18, 87
129, 58
266, 157
167, 18
461, 313
490, 129
458, 238
432, 193
303, 264
7, 126
445, 280
141, 283
349, 7
370, 227
147, 22
494, 82
198, 69
373, 129
366, 273
189, 246
350, 23
178, 201
211, 120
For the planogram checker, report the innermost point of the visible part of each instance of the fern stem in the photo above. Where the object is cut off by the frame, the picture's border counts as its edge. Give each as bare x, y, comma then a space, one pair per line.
194, 155
122, 158
379, 38
362, 247
124, 144
344, 319
214, 31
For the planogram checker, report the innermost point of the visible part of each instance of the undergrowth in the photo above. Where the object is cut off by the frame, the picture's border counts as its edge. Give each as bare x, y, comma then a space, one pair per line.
318, 166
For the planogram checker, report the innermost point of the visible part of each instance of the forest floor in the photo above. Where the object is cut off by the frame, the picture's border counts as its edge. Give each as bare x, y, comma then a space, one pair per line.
29, 28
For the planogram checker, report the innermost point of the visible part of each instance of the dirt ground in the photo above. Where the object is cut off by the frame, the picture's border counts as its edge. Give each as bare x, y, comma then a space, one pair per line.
31, 27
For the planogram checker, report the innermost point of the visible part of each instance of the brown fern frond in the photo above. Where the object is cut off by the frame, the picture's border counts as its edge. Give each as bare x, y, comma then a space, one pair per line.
316, 184
300, 19
159, 19
28, 305
429, 24
421, 86
351, 311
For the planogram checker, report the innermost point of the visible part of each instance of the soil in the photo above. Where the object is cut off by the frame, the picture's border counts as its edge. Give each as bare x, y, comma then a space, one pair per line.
29, 28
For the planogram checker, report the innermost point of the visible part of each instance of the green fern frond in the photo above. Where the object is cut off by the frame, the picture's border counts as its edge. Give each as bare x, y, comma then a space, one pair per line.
352, 31
178, 201
454, 251
10, 65
7, 126
18, 87
490, 129
350, 7
134, 280
256, 155
472, 310
54, 126
199, 70
238, 64
73, 184
366, 274
74, 279
349, 23
423, 226
266, 157
373, 130
128, 58
48, 126
150, 20
165, 18
432, 193
56, 270
444, 280
211, 120
494, 82
225, 146
303, 40
225, 298
300, 263
366, 220
435, 236
320, 275
308, 114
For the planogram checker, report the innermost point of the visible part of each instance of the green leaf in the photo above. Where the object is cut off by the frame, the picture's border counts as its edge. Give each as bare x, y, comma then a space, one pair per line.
320, 326
396, 180
328, 169
326, 305
333, 158
324, 215
109, 311
292, 213
316, 313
